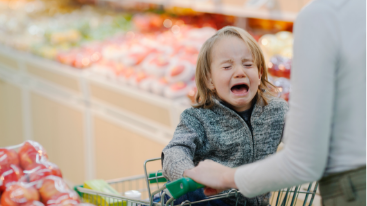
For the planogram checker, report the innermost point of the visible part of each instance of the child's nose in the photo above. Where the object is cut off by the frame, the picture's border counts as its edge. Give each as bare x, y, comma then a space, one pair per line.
239, 73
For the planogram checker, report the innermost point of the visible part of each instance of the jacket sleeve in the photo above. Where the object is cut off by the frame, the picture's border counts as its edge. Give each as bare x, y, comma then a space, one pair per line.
178, 155
309, 120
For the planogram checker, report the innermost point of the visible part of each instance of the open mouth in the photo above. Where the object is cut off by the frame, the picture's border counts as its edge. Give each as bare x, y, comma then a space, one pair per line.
240, 89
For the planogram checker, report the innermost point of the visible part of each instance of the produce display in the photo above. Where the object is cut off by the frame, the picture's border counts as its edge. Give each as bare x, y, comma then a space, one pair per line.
162, 63
278, 51
153, 52
28, 26
102, 186
19, 193
27, 178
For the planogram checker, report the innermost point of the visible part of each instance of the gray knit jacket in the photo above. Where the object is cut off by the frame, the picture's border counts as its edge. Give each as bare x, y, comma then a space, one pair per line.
221, 135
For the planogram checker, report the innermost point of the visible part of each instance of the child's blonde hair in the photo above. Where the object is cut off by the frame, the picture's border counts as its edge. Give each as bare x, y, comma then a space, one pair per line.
205, 96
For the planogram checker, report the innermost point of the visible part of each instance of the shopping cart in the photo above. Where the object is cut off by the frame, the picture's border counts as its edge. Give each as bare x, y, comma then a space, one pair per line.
153, 188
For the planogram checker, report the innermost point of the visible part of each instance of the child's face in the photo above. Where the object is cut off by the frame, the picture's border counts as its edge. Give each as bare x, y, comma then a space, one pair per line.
234, 75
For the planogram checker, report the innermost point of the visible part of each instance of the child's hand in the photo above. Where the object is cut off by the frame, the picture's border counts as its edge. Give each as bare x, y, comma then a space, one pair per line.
210, 191
214, 176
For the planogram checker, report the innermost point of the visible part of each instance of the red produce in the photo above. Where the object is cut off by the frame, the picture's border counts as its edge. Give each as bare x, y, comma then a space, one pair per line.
32, 146
55, 170
64, 199
19, 194
160, 61
8, 156
33, 203
177, 70
37, 173
31, 152
51, 186
45, 167
178, 86
280, 66
285, 96
8, 174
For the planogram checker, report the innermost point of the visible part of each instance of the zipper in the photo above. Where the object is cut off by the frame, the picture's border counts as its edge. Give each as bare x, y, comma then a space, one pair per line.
245, 124
252, 136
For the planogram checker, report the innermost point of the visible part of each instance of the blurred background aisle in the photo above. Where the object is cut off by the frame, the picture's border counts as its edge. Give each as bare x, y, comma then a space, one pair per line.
101, 83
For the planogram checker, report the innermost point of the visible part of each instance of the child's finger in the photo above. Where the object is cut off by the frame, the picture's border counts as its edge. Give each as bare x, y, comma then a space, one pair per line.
210, 191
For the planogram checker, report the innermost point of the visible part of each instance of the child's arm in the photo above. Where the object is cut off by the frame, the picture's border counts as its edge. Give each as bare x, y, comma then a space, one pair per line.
178, 155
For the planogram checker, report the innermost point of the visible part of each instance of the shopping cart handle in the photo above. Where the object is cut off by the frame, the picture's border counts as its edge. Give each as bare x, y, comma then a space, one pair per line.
182, 186
157, 176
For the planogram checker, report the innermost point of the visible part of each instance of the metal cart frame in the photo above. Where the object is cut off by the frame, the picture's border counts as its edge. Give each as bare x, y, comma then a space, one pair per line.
155, 188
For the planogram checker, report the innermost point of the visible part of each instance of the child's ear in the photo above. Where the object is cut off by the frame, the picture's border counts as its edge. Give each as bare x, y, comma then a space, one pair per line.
210, 84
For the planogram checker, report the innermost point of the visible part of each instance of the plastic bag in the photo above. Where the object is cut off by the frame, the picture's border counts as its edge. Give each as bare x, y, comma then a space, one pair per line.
27, 178
31, 152
54, 191
20, 193
8, 156
9, 173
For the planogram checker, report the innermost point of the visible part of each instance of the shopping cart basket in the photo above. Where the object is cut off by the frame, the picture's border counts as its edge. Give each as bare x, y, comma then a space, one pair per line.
153, 187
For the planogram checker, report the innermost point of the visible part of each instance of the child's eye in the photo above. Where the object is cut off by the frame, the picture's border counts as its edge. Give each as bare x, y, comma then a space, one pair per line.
227, 67
248, 65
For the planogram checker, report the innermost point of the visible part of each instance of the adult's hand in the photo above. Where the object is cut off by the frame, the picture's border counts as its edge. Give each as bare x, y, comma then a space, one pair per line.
214, 176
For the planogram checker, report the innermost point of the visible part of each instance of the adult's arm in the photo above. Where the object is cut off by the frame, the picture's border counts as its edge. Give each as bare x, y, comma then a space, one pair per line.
309, 121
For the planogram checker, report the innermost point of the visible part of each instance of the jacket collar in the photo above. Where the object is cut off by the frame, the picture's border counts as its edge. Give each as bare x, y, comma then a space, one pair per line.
256, 112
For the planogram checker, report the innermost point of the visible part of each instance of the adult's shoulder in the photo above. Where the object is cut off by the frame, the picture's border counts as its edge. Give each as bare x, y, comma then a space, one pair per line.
319, 9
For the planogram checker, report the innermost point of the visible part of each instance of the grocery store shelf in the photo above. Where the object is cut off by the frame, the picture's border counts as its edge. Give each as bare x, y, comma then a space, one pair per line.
77, 88
40, 86
131, 91
263, 9
138, 127
12, 55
